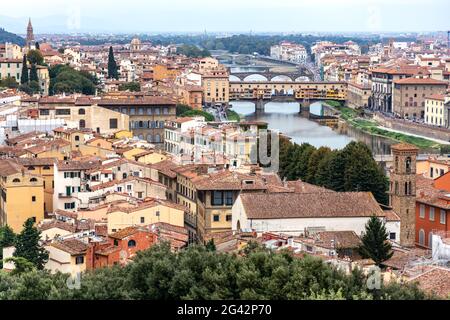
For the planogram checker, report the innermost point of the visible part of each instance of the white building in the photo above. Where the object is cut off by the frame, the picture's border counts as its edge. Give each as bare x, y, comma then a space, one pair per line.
288, 51
300, 213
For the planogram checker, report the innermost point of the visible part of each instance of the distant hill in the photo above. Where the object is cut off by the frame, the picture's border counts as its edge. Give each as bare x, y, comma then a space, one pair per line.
6, 36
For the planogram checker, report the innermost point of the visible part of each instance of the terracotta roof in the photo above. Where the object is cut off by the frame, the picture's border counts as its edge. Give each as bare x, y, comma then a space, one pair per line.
434, 281
72, 246
227, 180
77, 165
166, 167
337, 239
36, 161
306, 205
404, 147
439, 97
126, 232
420, 81
147, 100
299, 186
9, 167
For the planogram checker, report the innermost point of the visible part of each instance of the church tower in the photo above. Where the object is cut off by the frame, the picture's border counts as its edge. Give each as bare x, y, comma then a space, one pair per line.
30, 35
403, 190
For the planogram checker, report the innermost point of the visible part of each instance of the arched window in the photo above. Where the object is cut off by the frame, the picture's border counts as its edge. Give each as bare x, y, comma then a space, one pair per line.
77, 138
33, 180
81, 111
396, 163
149, 138
157, 138
82, 123
406, 188
46, 168
408, 164
16, 180
421, 237
410, 188
131, 244
30, 168
124, 175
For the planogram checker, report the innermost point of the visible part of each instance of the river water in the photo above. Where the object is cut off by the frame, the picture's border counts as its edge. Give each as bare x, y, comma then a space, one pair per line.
285, 117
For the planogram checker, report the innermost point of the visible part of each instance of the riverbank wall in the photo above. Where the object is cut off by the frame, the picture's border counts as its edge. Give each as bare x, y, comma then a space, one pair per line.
413, 127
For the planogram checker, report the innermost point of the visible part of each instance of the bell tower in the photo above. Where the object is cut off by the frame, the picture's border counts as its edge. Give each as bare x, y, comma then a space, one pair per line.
30, 34
403, 190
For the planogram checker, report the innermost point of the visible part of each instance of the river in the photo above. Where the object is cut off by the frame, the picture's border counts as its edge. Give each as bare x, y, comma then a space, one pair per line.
284, 116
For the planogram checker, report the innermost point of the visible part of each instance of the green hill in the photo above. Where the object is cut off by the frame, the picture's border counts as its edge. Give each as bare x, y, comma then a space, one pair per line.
6, 36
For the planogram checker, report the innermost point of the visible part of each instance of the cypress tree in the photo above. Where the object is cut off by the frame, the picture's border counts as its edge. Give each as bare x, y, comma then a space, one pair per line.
112, 65
24, 76
28, 247
37, 46
374, 243
33, 73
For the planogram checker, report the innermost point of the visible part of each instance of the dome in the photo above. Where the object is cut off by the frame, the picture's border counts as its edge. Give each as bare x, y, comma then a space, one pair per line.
135, 41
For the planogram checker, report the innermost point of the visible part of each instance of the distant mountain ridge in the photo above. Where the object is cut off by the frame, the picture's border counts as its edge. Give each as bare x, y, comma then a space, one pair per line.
6, 36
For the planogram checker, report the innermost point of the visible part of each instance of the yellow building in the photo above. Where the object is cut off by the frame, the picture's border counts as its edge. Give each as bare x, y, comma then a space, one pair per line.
163, 72
42, 167
67, 256
22, 195
76, 137
216, 87
11, 68
150, 157
145, 213
57, 148
435, 110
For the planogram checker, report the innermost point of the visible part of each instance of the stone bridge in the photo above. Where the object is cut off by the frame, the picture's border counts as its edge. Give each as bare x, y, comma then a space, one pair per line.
269, 75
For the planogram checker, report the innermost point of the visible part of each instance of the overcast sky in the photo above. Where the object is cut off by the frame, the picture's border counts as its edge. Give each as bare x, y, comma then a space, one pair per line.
226, 15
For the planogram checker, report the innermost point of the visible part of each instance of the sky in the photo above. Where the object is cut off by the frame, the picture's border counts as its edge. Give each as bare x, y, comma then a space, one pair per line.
61, 16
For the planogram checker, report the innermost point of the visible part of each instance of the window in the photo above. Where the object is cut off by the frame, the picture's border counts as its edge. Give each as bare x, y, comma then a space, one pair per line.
33, 180
442, 217
216, 218
392, 236
63, 112
140, 195
33, 198
82, 123
69, 205
116, 242
79, 260
431, 214
81, 111
142, 219
229, 198
228, 218
131, 244
16, 180
421, 237
77, 138
408, 165
217, 198
422, 211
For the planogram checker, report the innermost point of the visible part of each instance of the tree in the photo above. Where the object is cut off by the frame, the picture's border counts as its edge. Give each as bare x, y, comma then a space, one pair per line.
7, 239
28, 247
24, 77
112, 65
210, 245
38, 47
9, 82
130, 86
33, 73
374, 243
35, 57
65, 79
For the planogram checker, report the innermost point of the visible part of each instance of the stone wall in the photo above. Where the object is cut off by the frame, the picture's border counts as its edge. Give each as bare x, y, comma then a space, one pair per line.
413, 127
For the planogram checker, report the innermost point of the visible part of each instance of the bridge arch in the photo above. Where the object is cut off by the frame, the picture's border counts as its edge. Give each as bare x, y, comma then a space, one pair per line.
255, 77
234, 78
302, 79
281, 77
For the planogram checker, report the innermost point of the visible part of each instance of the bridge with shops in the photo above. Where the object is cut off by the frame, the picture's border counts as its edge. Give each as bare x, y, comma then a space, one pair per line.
287, 91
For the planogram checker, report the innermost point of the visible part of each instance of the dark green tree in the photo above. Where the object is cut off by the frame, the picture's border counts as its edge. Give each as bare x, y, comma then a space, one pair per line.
374, 243
210, 245
313, 163
9, 82
28, 247
24, 77
112, 65
38, 47
33, 73
7, 239
35, 57
130, 86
